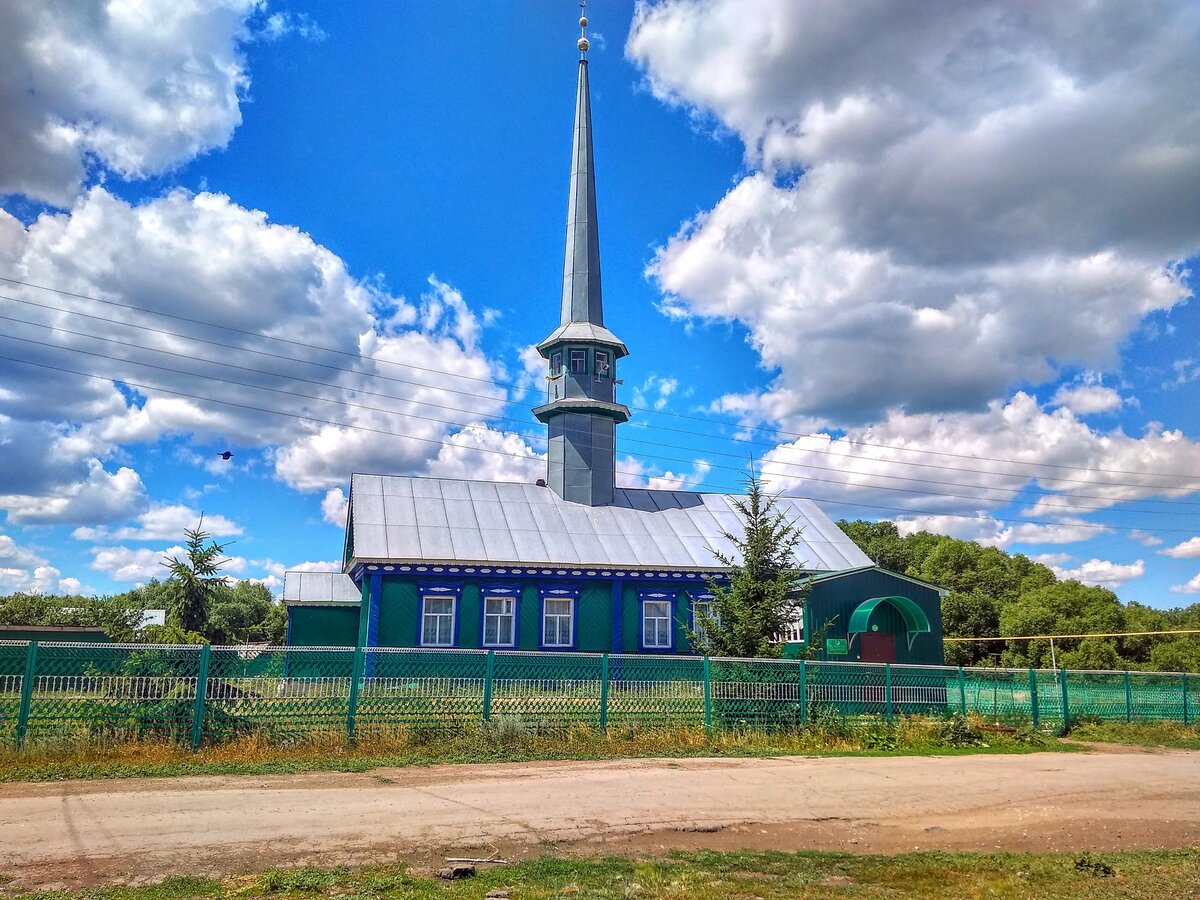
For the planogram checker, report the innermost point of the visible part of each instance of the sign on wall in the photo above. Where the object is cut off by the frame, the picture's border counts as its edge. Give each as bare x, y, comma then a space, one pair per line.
837, 646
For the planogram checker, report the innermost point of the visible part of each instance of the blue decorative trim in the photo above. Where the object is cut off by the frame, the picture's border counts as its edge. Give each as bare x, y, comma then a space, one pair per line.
500, 590
372, 639
618, 617
656, 595
558, 592
452, 590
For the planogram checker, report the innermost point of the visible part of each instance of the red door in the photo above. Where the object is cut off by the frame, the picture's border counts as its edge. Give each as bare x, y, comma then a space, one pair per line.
878, 646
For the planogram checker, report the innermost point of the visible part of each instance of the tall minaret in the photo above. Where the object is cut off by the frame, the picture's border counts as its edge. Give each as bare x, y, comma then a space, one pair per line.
581, 412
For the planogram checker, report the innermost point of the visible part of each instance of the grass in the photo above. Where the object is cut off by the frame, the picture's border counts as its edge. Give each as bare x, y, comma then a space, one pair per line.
712, 875
501, 740
1142, 734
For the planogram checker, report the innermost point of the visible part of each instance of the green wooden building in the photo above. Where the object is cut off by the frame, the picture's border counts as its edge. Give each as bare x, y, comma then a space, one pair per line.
576, 562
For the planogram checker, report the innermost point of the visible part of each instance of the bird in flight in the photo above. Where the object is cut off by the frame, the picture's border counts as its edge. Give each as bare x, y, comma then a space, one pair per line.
225, 456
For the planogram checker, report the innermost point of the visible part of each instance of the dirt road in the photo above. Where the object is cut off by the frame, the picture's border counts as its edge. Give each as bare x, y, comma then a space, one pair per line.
78, 833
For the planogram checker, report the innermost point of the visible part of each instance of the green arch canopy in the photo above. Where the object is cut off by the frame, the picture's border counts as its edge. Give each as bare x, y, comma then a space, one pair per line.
915, 620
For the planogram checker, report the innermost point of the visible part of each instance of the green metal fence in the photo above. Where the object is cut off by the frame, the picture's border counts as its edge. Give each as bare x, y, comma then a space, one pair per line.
197, 694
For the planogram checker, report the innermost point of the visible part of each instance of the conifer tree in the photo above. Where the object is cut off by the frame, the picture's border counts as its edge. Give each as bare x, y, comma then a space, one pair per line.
749, 614
194, 580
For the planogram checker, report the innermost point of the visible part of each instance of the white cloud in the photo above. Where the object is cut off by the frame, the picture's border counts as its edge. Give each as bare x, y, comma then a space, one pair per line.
1088, 399
141, 564
1064, 466
481, 453
1052, 559
925, 203
334, 507
133, 87
993, 532
102, 496
655, 392
1145, 538
162, 523
632, 472
1103, 573
1189, 549
23, 570
1191, 587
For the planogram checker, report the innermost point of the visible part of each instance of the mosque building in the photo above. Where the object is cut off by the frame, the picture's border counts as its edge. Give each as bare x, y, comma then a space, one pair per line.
575, 562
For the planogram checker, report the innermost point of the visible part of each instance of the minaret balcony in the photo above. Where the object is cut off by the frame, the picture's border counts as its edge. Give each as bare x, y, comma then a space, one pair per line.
618, 412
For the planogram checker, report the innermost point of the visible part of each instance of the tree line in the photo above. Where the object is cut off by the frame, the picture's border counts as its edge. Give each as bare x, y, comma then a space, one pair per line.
997, 593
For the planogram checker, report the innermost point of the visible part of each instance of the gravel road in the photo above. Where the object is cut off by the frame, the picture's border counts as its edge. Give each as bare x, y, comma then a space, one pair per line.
94, 832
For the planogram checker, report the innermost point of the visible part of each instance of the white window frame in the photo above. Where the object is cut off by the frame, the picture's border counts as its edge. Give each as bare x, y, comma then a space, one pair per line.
707, 603
511, 615
546, 601
453, 615
793, 632
668, 630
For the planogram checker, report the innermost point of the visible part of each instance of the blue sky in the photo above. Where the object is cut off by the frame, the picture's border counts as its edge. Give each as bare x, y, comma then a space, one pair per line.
933, 271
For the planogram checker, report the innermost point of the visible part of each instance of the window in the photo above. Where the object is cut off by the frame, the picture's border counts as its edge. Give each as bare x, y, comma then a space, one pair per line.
793, 632
656, 624
437, 621
555, 363
558, 622
499, 621
602, 366
703, 605
578, 362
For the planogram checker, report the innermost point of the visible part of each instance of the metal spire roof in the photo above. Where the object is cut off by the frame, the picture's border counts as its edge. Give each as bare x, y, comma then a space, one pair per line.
581, 300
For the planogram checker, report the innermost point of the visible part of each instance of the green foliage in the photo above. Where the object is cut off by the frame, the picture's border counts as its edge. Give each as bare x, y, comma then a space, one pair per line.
245, 612
992, 592
194, 580
169, 634
119, 616
751, 612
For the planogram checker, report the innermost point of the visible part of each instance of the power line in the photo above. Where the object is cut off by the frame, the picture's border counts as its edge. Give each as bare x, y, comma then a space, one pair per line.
526, 388
1055, 637
1015, 492
680, 481
458, 424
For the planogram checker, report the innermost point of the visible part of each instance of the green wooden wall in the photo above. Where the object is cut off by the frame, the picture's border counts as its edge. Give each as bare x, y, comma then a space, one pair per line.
322, 626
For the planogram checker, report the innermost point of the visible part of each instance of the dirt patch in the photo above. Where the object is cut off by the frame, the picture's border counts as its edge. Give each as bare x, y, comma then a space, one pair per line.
76, 834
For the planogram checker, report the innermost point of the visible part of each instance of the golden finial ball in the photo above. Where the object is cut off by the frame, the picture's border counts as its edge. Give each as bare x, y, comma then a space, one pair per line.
583, 45
583, 21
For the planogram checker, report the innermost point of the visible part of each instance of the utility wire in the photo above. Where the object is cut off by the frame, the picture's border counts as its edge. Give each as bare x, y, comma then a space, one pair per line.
641, 455
1052, 492
525, 388
681, 481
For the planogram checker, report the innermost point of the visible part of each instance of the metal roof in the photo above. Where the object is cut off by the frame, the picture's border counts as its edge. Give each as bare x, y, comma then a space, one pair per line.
400, 518
319, 587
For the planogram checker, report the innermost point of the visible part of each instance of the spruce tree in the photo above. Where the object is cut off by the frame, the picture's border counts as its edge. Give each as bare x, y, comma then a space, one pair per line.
194, 580
750, 613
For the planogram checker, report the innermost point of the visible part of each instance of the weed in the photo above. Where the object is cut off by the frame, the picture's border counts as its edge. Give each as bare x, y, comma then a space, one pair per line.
1090, 865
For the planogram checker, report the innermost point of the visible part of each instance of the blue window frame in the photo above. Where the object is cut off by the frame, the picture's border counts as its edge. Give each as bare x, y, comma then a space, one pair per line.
559, 607
438, 625
658, 631
499, 615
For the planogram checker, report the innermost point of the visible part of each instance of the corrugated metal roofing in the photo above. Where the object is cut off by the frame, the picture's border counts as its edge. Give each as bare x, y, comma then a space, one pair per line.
409, 519
319, 587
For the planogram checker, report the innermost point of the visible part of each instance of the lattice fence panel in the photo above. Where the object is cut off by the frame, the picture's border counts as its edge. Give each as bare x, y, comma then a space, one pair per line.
845, 689
113, 692
1097, 695
1004, 695
925, 691
12, 670
548, 691
655, 691
427, 689
282, 693
1160, 697
756, 693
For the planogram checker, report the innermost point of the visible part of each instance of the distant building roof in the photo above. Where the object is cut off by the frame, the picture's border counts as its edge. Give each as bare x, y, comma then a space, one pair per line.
319, 588
399, 518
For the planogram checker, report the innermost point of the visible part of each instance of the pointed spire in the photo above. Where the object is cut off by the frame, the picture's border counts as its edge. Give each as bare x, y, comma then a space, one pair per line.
581, 297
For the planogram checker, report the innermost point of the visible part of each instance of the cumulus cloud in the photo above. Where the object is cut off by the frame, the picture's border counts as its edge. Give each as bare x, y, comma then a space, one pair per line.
632, 472
1088, 399
334, 507
992, 532
924, 199
162, 523
655, 392
1189, 549
1190, 587
1014, 451
480, 452
134, 88
1103, 573
141, 564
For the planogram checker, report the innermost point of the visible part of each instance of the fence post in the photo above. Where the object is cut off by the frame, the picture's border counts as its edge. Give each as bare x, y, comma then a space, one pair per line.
1066, 700
1033, 698
27, 692
1185, 699
962, 691
1128, 699
604, 694
707, 697
803, 694
489, 674
887, 691
201, 695
356, 672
